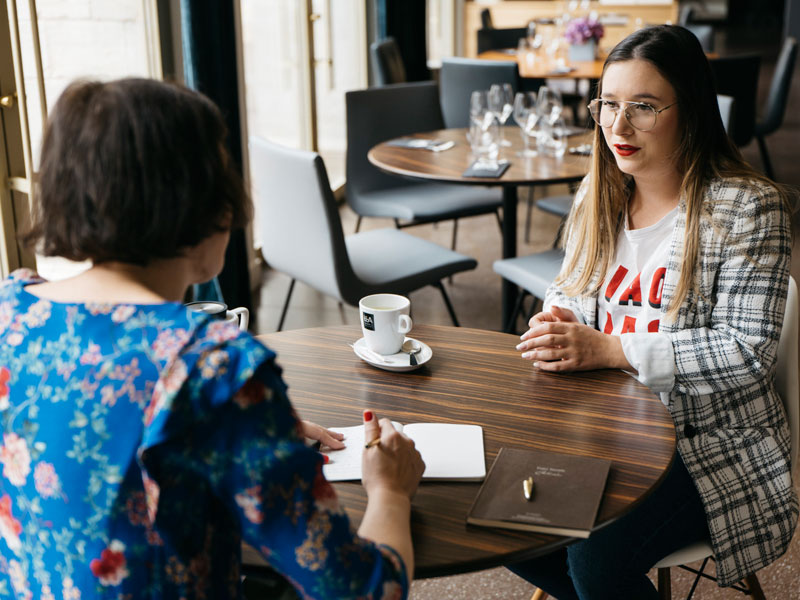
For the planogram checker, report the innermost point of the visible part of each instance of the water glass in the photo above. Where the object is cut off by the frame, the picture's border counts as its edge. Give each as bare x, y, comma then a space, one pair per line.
549, 104
484, 136
501, 103
528, 120
557, 138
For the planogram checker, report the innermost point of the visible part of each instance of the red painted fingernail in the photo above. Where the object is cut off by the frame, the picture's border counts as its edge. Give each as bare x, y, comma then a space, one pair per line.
368, 416
326, 459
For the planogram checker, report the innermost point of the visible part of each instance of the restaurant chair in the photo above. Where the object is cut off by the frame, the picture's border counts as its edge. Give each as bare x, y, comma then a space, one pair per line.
726, 109
500, 39
737, 76
533, 274
301, 234
704, 34
788, 386
460, 77
376, 115
387, 63
486, 19
778, 96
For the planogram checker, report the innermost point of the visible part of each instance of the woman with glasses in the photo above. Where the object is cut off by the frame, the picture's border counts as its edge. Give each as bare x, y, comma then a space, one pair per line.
676, 271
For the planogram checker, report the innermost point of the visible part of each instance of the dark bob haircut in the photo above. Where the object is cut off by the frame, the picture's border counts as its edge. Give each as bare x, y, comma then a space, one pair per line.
134, 170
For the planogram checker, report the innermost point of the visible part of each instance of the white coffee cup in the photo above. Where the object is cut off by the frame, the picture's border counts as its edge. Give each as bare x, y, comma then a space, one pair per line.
385, 322
219, 310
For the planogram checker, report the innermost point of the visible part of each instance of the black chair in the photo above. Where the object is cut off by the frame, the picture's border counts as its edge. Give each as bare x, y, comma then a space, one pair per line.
737, 76
486, 19
459, 77
379, 114
705, 34
772, 118
387, 64
498, 39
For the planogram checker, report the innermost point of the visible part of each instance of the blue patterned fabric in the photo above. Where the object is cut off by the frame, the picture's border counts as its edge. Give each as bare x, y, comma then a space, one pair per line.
141, 443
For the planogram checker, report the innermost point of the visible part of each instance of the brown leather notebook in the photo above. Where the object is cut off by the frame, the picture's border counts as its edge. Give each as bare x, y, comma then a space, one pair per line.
566, 494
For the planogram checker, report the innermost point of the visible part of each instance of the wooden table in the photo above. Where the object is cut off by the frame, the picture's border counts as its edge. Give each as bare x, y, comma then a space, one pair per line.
448, 166
539, 68
478, 377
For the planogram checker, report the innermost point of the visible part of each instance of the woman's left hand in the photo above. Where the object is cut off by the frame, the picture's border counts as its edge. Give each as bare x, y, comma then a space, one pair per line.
572, 346
325, 437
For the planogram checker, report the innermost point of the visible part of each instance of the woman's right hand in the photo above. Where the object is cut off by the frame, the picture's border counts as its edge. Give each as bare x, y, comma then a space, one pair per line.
392, 465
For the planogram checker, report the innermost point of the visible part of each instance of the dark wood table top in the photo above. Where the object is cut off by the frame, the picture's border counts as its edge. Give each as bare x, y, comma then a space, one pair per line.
540, 69
477, 377
448, 165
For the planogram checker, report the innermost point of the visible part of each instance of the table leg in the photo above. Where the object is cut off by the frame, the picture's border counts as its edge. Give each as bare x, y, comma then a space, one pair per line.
509, 291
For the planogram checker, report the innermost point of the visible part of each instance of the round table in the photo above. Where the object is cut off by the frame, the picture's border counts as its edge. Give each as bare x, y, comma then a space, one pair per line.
477, 377
448, 167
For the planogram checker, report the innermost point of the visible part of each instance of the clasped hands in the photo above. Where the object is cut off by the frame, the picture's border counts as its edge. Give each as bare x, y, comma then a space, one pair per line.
556, 341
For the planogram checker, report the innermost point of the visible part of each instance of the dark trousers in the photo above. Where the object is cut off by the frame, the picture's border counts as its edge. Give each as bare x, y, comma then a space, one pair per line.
613, 562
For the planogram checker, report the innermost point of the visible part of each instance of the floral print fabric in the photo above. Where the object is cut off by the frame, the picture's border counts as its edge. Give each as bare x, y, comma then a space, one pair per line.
141, 443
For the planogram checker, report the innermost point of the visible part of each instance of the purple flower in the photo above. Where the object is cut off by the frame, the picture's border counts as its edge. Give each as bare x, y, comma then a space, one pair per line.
583, 29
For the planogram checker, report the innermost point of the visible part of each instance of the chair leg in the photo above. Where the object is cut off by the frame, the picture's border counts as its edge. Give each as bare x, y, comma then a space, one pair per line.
664, 584
539, 594
447, 304
455, 232
397, 224
754, 586
512, 318
499, 220
358, 224
286, 305
762, 146
528, 212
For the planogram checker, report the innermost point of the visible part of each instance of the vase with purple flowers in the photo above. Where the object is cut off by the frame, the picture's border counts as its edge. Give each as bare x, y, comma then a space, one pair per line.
583, 34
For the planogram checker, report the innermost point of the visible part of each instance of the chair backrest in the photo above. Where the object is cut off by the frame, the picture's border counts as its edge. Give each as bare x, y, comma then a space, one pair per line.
779, 88
704, 33
387, 64
787, 379
379, 114
297, 216
486, 19
737, 76
726, 109
686, 15
459, 77
496, 39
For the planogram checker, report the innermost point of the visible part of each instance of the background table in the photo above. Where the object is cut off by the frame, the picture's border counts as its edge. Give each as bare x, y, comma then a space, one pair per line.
540, 69
477, 377
448, 166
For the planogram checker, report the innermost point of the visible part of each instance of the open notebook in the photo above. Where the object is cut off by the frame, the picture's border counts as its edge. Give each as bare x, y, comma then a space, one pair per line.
450, 452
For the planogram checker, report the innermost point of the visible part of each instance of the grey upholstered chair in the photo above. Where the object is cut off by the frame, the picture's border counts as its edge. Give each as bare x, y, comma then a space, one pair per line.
772, 117
533, 274
387, 63
459, 77
379, 114
301, 233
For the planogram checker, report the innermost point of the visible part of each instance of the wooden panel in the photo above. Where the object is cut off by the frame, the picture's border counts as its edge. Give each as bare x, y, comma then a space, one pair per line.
478, 377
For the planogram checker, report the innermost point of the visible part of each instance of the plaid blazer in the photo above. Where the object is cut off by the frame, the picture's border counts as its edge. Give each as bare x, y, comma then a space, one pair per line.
730, 423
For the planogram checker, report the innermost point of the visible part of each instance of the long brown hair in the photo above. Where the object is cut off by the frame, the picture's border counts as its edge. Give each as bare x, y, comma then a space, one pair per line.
705, 152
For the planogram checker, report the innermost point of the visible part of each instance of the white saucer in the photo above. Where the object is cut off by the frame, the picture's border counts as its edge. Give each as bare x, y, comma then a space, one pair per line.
393, 362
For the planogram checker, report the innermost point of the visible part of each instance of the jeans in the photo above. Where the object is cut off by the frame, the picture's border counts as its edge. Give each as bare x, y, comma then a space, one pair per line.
613, 562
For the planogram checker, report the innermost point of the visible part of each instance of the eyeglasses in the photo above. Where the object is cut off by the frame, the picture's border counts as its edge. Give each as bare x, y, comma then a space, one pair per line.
641, 116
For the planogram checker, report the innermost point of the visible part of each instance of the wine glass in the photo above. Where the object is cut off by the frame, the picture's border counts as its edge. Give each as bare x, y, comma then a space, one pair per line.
479, 109
526, 117
501, 98
557, 137
549, 104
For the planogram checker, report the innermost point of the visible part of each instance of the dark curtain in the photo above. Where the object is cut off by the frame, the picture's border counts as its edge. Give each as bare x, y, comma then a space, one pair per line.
209, 65
404, 20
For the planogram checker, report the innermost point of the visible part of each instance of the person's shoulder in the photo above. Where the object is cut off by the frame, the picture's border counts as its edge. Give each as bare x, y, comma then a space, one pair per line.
19, 278
737, 188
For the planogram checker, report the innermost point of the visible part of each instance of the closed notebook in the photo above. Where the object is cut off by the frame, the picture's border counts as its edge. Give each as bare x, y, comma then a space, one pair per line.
566, 494
451, 452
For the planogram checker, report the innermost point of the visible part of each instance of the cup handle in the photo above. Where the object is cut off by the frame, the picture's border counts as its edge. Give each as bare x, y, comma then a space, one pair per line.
405, 324
243, 315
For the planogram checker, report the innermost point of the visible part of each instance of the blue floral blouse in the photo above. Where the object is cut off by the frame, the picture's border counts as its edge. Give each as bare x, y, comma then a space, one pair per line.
141, 443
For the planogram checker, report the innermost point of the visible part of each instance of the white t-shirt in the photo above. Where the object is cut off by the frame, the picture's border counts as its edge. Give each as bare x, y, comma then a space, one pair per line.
629, 303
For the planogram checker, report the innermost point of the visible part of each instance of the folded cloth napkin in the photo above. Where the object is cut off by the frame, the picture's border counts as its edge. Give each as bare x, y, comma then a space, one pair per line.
422, 144
489, 170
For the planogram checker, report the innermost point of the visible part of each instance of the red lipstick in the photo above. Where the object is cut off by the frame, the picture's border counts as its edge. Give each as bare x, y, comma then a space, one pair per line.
625, 150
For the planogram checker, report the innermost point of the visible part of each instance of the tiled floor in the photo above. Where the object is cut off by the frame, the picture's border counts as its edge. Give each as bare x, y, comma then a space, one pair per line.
476, 297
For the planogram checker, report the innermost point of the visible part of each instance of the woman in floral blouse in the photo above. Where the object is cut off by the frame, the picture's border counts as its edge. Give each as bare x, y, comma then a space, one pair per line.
142, 442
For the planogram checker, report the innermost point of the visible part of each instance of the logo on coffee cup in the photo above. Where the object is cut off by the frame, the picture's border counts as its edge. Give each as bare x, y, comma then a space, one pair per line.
369, 322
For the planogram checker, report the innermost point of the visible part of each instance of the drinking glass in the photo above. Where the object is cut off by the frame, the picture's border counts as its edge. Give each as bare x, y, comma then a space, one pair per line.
501, 99
549, 104
526, 117
479, 108
557, 138
483, 137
